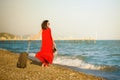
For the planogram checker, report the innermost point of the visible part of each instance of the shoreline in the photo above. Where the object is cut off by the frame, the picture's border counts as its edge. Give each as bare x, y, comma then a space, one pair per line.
33, 71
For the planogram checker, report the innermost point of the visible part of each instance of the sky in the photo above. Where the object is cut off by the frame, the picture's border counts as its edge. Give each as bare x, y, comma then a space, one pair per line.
68, 18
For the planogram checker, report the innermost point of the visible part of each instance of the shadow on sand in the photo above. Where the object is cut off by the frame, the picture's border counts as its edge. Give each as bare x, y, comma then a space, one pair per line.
35, 62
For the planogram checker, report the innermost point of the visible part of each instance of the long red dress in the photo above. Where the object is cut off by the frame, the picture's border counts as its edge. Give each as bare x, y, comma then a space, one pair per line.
45, 55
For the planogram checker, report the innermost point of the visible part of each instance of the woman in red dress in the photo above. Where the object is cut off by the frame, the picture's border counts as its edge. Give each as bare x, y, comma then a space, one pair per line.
45, 55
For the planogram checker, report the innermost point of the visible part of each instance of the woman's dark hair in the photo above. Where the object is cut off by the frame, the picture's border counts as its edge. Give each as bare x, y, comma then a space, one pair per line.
44, 24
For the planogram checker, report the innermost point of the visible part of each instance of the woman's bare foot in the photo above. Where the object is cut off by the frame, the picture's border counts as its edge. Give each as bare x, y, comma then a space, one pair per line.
45, 65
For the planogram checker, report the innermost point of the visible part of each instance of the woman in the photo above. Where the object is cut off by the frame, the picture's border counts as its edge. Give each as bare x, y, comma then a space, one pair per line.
45, 55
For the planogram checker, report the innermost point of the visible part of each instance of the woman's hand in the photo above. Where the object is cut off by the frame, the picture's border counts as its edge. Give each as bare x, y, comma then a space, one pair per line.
54, 47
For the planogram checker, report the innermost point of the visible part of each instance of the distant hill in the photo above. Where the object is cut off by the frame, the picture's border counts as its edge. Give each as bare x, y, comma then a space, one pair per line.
6, 36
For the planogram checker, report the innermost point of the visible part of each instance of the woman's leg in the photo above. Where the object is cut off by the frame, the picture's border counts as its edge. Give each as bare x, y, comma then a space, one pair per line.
45, 63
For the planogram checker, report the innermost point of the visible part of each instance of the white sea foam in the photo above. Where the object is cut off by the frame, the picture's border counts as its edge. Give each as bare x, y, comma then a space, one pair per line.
68, 61
75, 63
32, 56
3, 49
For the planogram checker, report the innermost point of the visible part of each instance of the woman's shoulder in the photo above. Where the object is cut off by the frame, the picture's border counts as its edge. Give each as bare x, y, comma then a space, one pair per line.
46, 29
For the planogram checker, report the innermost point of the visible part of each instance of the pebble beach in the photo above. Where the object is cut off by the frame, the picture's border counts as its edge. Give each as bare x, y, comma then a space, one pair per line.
34, 71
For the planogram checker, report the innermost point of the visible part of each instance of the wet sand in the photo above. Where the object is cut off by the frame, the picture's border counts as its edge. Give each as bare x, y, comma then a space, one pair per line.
33, 71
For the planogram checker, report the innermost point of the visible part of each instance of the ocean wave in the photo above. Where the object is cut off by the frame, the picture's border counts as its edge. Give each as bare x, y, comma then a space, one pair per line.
110, 68
32, 56
115, 55
3, 49
75, 62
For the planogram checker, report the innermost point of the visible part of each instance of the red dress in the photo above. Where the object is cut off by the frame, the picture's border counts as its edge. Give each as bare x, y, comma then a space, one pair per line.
45, 55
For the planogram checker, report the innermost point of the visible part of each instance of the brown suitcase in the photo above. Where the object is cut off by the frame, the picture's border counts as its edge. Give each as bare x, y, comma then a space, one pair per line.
22, 60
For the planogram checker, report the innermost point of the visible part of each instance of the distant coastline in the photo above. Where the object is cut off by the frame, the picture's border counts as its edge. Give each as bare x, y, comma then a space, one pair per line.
9, 37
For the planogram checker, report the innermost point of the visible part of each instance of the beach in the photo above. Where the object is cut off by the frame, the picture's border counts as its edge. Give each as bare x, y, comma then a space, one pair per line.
33, 71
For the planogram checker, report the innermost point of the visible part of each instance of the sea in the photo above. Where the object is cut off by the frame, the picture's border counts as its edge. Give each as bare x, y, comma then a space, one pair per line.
100, 58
